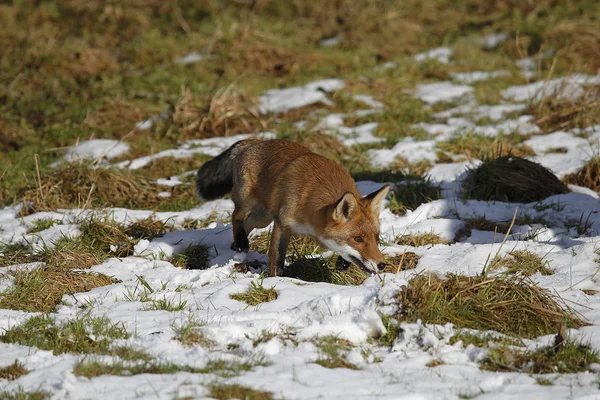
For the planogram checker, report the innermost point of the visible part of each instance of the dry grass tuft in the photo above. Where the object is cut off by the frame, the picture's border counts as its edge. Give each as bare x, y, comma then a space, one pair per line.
226, 392
523, 262
401, 262
507, 304
554, 113
299, 245
13, 371
81, 185
477, 146
115, 116
588, 176
228, 112
511, 179
420, 239
256, 294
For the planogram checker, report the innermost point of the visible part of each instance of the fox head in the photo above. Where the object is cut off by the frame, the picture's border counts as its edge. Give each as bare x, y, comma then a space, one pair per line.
353, 229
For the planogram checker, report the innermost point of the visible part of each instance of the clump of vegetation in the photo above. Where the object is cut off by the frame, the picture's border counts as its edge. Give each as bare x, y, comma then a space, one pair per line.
82, 335
569, 358
392, 330
226, 392
420, 239
482, 339
194, 257
521, 262
512, 305
588, 176
511, 179
411, 193
13, 371
333, 352
256, 294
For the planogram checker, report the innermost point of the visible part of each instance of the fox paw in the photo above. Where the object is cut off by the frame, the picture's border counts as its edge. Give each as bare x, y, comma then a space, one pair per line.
342, 264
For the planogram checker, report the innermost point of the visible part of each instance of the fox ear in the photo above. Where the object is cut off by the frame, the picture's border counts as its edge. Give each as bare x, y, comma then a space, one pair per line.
374, 199
344, 208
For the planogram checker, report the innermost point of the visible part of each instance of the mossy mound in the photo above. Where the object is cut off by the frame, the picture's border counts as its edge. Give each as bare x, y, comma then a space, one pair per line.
511, 179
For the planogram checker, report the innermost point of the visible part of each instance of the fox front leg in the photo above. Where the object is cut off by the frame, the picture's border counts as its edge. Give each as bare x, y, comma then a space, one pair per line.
240, 236
280, 238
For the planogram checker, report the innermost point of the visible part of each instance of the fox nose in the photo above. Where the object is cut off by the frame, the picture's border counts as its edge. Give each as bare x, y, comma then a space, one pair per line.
381, 266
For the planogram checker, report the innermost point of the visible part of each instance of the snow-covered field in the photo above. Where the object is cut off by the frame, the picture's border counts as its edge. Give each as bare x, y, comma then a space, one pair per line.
305, 311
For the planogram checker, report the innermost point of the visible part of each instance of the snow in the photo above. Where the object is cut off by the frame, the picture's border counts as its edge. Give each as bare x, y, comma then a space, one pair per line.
571, 87
493, 40
190, 58
283, 100
432, 93
441, 54
95, 149
306, 311
477, 76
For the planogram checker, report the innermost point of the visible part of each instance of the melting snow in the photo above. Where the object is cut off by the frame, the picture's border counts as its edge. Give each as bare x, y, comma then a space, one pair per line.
432, 93
282, 100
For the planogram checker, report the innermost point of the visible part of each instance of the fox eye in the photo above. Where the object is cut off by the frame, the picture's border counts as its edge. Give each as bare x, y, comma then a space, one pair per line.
358, 239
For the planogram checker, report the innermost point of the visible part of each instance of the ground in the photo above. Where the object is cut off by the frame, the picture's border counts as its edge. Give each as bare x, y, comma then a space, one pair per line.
116, 281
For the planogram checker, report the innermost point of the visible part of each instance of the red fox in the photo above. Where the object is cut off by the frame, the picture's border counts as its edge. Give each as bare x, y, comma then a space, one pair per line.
303, 193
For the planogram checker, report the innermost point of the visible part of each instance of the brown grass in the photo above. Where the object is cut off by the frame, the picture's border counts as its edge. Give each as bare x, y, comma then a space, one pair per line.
510, 305
554, 113
83, 186
401, 262
523, 262
228, 112
473, 145
420, 239
588, 176
13, 371
226, 392
43, 288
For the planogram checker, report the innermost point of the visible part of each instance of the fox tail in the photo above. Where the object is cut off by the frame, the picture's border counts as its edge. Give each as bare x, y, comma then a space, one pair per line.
215, 178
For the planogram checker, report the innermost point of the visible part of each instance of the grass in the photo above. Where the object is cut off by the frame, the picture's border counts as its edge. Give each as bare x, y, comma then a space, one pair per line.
189, 334
411, 193
42, 224
333, 352
482, 339
521, 262
511, 305
392, 327
477, 145
256, 294
90, 368
511, 179
83, 335
226, 392
13, 371
20, 394
569, 358
164, 304
588, 176
401, 262
419, 239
